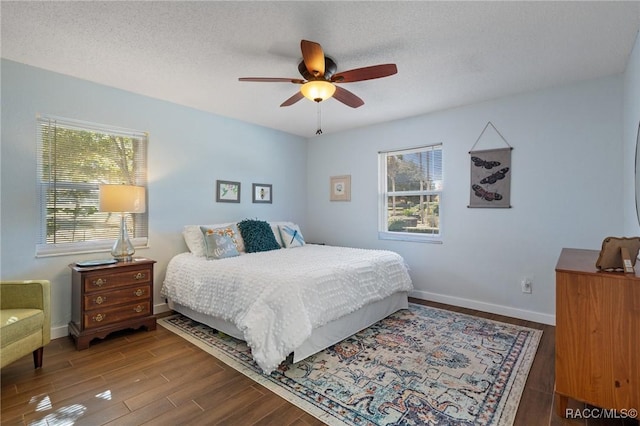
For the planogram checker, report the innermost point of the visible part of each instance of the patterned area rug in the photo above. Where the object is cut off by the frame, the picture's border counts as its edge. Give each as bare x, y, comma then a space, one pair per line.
419, 366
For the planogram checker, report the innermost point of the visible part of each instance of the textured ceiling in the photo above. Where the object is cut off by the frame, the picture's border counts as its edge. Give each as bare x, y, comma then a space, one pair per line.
448, 53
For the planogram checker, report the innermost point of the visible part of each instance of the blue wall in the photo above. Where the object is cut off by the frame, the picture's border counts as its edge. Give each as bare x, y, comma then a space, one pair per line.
188, 151
574, 150
566, 191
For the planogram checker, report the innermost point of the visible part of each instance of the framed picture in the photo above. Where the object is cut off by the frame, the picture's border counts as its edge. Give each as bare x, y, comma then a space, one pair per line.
262, 193
227, 191
340, 188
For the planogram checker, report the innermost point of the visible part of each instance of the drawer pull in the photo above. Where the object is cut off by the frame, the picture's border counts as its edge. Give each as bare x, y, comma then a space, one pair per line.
138, 308
99, 282
99, 317
139, 292
139, 276
100, 300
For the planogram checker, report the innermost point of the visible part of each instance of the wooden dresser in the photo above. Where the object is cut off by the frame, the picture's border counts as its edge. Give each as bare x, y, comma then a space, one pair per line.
597, 334
109, 298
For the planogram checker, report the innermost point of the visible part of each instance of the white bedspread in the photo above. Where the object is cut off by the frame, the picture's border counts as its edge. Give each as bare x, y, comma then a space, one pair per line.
277, 297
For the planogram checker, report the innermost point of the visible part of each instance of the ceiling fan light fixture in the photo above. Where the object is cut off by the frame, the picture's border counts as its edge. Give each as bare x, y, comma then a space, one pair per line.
318, 90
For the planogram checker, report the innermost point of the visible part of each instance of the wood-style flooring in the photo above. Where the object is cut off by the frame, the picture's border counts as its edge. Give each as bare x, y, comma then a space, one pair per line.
157, 378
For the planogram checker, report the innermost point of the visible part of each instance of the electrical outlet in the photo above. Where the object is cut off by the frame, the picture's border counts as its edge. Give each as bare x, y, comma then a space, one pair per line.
526, 284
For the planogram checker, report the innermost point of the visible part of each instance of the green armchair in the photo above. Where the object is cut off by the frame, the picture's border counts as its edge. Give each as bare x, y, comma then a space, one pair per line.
25, 314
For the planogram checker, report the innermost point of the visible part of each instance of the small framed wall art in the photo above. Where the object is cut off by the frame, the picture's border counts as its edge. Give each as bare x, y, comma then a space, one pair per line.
227, 191
340, 188
262, 193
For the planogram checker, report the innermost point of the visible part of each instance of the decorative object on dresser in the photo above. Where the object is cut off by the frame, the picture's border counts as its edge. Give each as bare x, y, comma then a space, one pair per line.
227, 191
597, 334
262, 193
108, 298
122, 199
618, 253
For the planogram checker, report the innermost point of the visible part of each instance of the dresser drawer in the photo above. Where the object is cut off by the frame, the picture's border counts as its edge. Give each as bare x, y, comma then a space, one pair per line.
102, 300
110, 297
101, 317
96, 282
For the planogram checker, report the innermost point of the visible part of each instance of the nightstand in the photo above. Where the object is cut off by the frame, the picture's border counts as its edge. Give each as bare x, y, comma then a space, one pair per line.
110, 298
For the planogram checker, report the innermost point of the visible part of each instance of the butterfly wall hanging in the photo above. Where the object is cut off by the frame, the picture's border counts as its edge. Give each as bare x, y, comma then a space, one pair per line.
490, 174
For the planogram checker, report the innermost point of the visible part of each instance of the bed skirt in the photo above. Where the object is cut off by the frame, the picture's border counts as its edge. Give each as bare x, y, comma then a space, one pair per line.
321, 337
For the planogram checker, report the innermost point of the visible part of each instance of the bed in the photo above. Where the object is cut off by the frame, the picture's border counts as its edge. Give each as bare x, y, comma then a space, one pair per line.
292, 300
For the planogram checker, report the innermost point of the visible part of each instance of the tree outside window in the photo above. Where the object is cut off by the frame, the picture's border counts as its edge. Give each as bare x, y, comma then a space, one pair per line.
74, 158
411, 192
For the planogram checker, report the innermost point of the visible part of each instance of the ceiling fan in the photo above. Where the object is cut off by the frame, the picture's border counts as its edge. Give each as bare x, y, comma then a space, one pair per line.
320, 76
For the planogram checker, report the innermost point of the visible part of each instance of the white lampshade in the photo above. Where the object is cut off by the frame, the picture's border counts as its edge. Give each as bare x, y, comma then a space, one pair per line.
318, 90
122, 198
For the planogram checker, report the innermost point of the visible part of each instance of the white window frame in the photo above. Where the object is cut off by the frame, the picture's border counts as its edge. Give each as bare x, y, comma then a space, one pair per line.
139, 236
384, 194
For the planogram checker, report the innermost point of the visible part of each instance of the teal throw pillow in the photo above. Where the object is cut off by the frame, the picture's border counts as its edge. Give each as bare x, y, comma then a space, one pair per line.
257, 236
218, 246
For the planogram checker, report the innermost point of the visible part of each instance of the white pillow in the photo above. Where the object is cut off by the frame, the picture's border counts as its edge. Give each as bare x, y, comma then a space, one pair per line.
291, 235
276, 233
275, 227
195, 239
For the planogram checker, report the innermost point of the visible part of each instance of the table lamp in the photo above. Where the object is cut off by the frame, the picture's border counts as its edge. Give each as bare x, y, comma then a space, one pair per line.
122, 199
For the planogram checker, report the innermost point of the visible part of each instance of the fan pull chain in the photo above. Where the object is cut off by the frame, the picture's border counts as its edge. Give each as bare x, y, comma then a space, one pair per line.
319, 131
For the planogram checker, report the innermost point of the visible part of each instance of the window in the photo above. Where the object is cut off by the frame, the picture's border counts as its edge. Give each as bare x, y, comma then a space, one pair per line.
410, 194
73, 159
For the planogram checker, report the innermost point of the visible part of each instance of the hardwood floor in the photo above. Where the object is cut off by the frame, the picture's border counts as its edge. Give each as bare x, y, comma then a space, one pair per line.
157, 378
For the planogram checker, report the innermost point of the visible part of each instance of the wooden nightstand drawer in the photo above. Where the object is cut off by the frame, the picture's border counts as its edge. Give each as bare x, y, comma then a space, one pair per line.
102, 317
109, 298
101, 281
130, 294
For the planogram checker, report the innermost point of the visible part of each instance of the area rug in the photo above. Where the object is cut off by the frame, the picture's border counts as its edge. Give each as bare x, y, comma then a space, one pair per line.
419, 366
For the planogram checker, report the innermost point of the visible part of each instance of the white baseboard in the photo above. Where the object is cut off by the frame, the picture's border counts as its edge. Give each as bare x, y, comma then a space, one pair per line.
161, 308
486, 307
63, 330
59, 331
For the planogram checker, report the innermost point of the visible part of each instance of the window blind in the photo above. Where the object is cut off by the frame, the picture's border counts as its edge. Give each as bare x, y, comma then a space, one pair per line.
74, 158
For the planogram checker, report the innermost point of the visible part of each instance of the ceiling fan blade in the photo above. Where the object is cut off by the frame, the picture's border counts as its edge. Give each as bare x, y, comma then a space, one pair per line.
272, 80
347, 98
366, 73
313, 57
292, 100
